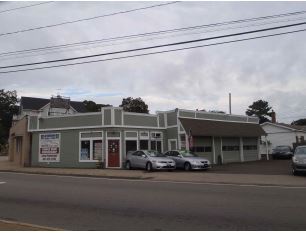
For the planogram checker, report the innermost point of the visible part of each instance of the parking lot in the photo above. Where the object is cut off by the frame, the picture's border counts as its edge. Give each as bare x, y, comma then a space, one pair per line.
262, 167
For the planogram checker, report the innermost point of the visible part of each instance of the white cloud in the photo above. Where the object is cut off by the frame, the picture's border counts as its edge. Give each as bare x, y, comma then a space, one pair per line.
272, 69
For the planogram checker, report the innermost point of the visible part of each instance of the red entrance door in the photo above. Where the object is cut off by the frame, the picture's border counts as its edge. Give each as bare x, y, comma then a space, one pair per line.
113, 153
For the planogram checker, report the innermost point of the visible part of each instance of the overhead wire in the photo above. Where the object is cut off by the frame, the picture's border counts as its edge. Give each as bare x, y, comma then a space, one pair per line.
155, 46
87, 19
161, 32
22, 7
59, 50
151, 53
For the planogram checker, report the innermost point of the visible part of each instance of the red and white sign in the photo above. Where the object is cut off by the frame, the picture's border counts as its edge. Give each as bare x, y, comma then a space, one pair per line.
49, 147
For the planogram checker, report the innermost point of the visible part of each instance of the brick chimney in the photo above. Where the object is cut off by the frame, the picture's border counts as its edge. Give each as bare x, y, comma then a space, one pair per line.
273, 117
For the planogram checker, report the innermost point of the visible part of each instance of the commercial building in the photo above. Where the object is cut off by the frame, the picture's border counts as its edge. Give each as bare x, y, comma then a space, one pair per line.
82, 140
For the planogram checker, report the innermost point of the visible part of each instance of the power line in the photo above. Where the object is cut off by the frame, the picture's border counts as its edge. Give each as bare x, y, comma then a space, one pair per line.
87, 19
159, 32
40, 53
154, 47
22, 7
151, 53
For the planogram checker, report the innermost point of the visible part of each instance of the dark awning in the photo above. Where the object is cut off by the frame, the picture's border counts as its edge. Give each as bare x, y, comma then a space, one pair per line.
201, 127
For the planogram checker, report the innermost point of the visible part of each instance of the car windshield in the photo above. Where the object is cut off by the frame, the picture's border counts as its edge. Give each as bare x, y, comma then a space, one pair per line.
301, 151
154, 153
187, 154
282, 148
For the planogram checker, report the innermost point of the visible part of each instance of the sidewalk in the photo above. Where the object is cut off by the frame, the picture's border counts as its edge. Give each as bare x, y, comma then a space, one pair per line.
18, 226
174, 176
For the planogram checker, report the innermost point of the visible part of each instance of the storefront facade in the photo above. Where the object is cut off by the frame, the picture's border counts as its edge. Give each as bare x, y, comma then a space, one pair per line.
82, 140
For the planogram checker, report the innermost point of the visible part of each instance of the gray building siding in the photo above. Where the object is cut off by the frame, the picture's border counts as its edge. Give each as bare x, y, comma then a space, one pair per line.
172, 133
172, 118
107, 116
161, 120
71, 121
140, 120
118, 117
183, 113
69, 150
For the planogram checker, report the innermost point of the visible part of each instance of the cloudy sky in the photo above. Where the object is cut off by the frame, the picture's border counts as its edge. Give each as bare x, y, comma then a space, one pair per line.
273, 69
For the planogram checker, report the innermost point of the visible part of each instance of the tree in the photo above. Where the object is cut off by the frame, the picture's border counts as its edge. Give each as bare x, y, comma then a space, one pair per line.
8, 107
299, 122
261, 109
91, 106
134, 105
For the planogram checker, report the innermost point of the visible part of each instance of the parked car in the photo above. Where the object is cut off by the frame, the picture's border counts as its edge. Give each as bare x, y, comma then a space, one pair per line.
149, 160
188, 160
282, 152
299, 160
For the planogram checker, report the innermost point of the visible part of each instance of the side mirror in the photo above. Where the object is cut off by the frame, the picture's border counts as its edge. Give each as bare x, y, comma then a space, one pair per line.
143, 156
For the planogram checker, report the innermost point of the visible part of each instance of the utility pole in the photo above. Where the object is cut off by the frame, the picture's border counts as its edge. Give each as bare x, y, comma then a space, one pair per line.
230, 103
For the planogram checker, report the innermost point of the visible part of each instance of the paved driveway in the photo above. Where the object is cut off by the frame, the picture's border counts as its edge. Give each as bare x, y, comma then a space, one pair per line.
263, 167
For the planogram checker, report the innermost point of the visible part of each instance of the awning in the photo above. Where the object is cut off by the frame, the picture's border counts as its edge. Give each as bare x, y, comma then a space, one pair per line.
203, 127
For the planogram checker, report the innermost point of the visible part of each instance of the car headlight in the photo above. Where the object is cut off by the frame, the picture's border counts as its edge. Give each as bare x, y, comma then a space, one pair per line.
295, 160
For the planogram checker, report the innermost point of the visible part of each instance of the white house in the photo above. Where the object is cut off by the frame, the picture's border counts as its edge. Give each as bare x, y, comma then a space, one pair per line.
280, 134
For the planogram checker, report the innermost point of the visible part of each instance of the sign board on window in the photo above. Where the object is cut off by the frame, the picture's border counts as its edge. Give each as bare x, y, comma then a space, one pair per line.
49, 147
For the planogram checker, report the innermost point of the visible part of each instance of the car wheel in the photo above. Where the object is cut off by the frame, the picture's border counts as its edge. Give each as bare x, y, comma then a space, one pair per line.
128, 165
149, 167
187, 167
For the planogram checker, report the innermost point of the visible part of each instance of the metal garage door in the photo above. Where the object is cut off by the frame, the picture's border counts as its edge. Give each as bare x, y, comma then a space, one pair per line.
250, 150
230, 149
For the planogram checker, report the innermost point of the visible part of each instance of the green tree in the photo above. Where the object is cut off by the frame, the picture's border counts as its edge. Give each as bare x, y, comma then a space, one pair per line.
91, 106
261, 109
130, 104
8, 107
299, 122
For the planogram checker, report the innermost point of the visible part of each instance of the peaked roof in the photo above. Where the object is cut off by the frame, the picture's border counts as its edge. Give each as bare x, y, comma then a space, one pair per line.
201, 127
290, 127
33, 103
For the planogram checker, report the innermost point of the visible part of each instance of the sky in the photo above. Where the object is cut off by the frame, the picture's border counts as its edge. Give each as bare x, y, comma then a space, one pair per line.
272, 69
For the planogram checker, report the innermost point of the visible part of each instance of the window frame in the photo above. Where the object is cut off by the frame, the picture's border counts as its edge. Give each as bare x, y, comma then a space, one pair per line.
91, 151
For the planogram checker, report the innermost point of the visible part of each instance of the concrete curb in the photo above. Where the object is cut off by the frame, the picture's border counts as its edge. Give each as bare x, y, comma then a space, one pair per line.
153, 179
42, 228
79, 175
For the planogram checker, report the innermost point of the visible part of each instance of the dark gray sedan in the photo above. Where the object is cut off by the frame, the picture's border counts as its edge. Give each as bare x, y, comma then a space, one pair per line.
187, 160
299, 160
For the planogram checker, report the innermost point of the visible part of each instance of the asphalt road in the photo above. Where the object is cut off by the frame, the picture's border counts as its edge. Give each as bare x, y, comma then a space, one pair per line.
75, 203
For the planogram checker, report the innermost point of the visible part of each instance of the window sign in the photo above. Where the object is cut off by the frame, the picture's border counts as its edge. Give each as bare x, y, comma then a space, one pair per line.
97, 149
85, 150
49, 147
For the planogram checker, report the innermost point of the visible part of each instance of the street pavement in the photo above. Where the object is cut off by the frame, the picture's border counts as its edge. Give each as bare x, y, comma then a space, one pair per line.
84, 203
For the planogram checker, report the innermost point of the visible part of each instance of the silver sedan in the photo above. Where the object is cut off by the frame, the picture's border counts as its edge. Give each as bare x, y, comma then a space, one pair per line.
188, 160
149, 160
299, 160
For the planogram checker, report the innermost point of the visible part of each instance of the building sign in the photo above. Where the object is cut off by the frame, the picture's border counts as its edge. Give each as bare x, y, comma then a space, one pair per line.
49, 147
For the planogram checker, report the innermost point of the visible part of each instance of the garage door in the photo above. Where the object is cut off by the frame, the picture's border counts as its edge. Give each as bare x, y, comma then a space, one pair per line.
230, 149
250, 150
202, 146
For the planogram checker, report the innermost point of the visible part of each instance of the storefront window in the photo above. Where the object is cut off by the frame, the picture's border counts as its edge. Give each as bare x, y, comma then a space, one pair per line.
97, 149
85, 150
144, 144
91, 146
